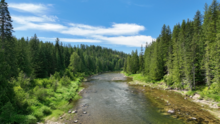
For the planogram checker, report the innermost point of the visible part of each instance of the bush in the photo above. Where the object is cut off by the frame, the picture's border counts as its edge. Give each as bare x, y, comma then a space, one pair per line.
168, 79
38, 114
191, 93
65, 81
31, 119
57, 76
46, 110
46, 83
41, 94
69, 74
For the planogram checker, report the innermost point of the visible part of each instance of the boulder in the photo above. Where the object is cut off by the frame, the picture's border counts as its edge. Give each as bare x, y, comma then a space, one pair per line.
75, 121
171, 111
74, 111
193, 118
69, 111
84, 112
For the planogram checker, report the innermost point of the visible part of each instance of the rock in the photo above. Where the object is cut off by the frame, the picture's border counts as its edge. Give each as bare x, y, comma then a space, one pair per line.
185, 98
84, 112
191, 96
61, 117
75, 121
193, 118
170, 111
69, 111
74, 111
144, 86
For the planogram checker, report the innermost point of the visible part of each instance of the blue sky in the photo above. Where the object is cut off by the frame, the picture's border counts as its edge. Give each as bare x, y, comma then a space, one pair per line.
122, 25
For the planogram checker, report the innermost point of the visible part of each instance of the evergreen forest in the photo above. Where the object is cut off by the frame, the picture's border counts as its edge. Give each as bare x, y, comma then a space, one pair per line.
186, 58
41, 78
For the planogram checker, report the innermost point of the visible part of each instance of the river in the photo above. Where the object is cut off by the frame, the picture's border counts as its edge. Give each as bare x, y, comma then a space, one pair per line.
108, 99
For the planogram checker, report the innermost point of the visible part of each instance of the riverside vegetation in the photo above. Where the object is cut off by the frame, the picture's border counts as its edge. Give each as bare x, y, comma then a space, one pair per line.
186, 58
40, 79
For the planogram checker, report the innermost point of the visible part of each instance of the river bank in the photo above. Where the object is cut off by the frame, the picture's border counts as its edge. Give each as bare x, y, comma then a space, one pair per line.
58, 116
207, 105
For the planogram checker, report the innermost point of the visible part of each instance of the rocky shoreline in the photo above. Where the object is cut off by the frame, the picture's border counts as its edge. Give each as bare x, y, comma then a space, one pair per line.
210, 106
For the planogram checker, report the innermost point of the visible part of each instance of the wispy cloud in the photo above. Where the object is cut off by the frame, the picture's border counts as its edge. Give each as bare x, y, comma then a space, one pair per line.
29, 7
116, 29
43, 23
29, 19
133, 41
127, 34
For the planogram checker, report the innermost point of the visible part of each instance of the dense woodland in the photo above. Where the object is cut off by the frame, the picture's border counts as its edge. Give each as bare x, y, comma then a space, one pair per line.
38, 77
187, 57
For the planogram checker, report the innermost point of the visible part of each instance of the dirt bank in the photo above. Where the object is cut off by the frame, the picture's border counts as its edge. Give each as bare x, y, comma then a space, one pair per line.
207, 105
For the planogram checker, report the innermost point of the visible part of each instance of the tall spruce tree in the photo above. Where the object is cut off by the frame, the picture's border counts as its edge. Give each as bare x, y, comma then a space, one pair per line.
5, 23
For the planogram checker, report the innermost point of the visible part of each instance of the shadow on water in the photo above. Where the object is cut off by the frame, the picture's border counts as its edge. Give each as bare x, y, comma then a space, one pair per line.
108, 99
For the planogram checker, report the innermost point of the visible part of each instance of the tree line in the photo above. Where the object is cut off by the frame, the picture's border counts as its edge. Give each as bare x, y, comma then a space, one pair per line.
187, 57
34, 74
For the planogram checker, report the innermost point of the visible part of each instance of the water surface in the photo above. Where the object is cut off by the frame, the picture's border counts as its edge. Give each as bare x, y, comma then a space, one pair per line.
108, 99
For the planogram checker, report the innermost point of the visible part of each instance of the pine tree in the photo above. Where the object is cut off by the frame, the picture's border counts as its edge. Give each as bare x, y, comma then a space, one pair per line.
5, 23
34, 54
141, 60
74, 62
196, 48
176, 74
210, 23
23, 57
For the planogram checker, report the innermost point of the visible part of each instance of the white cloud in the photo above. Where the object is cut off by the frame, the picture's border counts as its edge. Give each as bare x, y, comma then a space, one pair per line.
27, 19
43, 23
29, 7
134, 41
41, 26
118, 33
116, 29
71, 40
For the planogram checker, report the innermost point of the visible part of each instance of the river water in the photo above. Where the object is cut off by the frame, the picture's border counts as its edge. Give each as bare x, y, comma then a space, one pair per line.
108, 99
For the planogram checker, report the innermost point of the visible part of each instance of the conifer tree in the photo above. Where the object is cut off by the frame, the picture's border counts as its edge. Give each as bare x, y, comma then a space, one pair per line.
141, 60
5, 23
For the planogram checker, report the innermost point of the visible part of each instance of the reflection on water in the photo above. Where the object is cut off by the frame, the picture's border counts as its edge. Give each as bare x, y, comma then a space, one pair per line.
108, 99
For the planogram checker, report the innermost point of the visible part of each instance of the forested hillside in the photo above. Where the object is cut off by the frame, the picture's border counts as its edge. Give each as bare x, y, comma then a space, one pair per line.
187, 57
41, 78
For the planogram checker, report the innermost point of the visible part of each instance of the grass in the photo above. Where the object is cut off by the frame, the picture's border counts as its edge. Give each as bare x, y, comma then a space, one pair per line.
191, 93
138, 77
45, 102
212, 93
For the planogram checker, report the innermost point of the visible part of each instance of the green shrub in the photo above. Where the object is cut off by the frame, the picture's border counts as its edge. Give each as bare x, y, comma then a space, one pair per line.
69, 74
54, 83
31, 119
57, 76
41, 94
168, 80
38, 114
46, 110
191, 93
46, 83
65, 81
